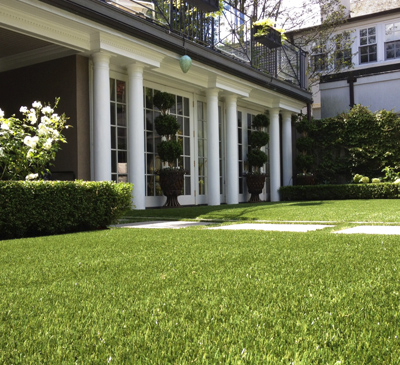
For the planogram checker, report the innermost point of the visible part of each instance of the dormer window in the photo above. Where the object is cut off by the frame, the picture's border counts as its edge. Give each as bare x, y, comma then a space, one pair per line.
368, 47
392, 41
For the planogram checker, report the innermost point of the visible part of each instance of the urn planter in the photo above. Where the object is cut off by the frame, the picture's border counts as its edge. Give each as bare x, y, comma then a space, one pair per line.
171, 182
255, 185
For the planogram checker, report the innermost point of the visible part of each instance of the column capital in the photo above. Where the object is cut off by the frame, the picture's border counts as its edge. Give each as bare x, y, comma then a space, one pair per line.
135, 67
286, 114
103, 57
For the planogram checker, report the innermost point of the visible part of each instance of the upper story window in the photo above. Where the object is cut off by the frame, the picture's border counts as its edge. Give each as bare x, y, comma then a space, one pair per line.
368, 47
392, 41
343, 50
319, 57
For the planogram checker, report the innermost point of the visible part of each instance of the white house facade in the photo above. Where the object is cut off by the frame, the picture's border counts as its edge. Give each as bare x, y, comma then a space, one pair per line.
105, 60
374, 79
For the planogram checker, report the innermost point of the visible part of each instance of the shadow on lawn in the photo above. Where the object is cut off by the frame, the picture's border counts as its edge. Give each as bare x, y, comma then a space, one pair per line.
243, 211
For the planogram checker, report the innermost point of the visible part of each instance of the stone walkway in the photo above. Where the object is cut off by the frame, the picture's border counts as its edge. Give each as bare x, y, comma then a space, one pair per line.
391, 230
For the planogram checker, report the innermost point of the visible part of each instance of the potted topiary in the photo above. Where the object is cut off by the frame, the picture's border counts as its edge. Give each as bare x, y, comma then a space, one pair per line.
258, 138
169, 150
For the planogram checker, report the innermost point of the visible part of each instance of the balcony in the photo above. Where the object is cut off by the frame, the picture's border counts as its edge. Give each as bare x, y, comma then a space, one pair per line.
227, 31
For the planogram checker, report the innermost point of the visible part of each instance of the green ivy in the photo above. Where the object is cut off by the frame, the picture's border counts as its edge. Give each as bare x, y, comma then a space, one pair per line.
356, 142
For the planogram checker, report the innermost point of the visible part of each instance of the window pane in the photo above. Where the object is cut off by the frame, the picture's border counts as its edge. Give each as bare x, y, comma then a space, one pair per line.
372, 39
363, 41
371, 31
186, 130
364, 58
372, 57
120, 91
112, 113
112, 89
122, 156
122, 138
186, 107
121, 115
363, 33
390, 54
113, 138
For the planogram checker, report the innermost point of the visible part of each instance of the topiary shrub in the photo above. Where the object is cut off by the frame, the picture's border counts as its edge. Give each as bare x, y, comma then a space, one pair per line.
256, 158
35, 208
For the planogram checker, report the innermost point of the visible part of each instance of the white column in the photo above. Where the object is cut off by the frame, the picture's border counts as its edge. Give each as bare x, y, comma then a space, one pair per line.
212, 148
274, 152
232, 158
136, 153
101, 117
287, 148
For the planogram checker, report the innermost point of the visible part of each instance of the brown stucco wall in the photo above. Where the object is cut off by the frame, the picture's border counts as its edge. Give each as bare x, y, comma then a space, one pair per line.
67, 78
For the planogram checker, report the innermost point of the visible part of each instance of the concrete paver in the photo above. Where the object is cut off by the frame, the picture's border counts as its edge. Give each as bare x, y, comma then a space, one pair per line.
161, 224
282, 227
372, 230
275, 227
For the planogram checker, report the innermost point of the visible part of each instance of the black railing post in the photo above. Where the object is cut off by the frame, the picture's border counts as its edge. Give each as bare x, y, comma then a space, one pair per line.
171, 17
212, 32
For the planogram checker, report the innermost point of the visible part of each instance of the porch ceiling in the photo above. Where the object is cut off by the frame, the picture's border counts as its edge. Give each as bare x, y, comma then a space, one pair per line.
13, 43
18, 50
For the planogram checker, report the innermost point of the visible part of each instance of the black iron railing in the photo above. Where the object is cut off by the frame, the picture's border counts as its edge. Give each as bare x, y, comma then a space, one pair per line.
227, 31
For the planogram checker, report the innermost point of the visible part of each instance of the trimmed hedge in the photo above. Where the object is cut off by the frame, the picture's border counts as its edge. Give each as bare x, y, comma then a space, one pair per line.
36, 208
340, 192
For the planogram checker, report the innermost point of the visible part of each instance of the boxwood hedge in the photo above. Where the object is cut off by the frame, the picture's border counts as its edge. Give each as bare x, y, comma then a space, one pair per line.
33, 208
339, 192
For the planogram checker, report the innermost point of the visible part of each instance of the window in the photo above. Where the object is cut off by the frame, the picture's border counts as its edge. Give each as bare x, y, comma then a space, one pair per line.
319, 58
368, 47
119, 133
392, 38
343, 50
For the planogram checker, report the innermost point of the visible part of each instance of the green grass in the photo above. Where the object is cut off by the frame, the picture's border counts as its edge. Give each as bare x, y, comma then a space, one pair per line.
385, 210
198, 296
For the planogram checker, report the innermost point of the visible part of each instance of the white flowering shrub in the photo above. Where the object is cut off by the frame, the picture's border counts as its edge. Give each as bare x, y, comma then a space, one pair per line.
28, 146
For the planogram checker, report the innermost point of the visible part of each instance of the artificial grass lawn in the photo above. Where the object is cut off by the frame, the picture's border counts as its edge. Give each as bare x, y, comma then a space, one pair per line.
191, 295
374, 210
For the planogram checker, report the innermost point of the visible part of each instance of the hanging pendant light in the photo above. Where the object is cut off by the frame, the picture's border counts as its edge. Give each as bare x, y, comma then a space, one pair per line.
185, 62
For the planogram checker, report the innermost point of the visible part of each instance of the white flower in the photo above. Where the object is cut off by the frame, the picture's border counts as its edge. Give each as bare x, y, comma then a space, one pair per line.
31, 141
23, 109
42, 129
5, 126
47, 110
55, 133
31, 176
32, 118
45, 120
30, 154
48, 143
37, 104
55, 117
1, 114
1, 151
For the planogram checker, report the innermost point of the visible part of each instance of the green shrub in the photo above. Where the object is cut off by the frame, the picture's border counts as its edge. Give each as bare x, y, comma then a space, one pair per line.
33, 208
339, 192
